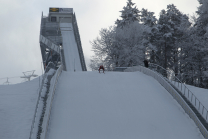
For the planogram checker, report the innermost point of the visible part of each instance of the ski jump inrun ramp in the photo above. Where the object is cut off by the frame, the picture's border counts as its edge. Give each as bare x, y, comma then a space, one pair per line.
89, 105
71, 53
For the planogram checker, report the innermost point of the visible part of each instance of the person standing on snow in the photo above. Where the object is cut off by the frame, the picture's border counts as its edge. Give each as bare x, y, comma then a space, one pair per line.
101, 67
146, 63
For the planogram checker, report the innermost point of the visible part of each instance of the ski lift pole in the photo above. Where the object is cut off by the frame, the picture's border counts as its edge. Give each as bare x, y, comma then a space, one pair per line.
7, 81
74, 65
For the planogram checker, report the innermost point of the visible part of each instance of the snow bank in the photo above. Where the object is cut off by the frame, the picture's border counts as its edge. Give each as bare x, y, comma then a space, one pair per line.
17, 106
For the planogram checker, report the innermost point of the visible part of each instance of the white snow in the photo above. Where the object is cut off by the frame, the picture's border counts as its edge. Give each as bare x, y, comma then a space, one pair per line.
167, 35
116, 105
201, 94
89, 105
71, 54
17, 107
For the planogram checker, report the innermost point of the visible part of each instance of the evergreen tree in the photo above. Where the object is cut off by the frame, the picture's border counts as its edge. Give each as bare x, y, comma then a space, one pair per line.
198, 59
192, 58
201, 37
165, 39
168, 33
118, 47
202, 20
132, 40
148, 18
129, 14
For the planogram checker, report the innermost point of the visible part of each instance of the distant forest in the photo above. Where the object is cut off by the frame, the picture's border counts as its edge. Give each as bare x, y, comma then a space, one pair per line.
175, 41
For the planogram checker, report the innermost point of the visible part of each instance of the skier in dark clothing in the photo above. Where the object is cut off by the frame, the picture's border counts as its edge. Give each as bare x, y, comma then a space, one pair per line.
101, 67
146, 63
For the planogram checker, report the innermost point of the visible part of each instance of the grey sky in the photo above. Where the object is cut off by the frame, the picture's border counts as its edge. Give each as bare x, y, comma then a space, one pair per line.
20, 26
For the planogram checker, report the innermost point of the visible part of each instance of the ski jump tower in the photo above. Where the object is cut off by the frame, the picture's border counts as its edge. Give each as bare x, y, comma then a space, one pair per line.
60, 40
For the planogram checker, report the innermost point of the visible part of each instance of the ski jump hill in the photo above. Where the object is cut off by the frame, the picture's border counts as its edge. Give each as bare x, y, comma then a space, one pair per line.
76, 104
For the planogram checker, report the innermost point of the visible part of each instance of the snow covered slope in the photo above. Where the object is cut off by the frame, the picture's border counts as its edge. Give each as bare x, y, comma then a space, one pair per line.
71, 53
201, 94
17, 107
116, 105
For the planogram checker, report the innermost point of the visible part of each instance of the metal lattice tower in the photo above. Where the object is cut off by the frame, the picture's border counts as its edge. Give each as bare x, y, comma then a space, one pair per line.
51, 39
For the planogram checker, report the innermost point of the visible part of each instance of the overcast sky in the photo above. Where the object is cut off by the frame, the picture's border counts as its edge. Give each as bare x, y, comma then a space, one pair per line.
20, 26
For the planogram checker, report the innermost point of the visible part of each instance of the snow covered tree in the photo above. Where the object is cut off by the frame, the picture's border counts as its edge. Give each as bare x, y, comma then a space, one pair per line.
122, 45
169, 31
148, 18
186, 51
196, 61
202, 20
118, 47
129, 14
192, 56
103, 49
199, 37
132, 40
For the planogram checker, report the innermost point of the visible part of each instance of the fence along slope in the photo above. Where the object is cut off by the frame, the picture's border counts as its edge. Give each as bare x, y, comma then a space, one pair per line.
49, 102
36, 116
179, 98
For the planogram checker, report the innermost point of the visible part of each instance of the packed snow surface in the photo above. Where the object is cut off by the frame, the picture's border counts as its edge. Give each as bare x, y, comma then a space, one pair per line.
71, 53
17, 107
116, 105
201, 94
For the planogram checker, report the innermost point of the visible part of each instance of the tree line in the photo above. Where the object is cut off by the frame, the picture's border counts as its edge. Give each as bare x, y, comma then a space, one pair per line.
176, 41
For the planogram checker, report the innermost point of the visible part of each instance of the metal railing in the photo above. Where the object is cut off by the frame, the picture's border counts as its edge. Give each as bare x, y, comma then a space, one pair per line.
50, 102
35, 119
186, 92
78, 41
49, 43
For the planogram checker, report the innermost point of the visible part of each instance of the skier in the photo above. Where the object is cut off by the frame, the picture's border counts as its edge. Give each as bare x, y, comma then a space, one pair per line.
101, 67
146, 63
